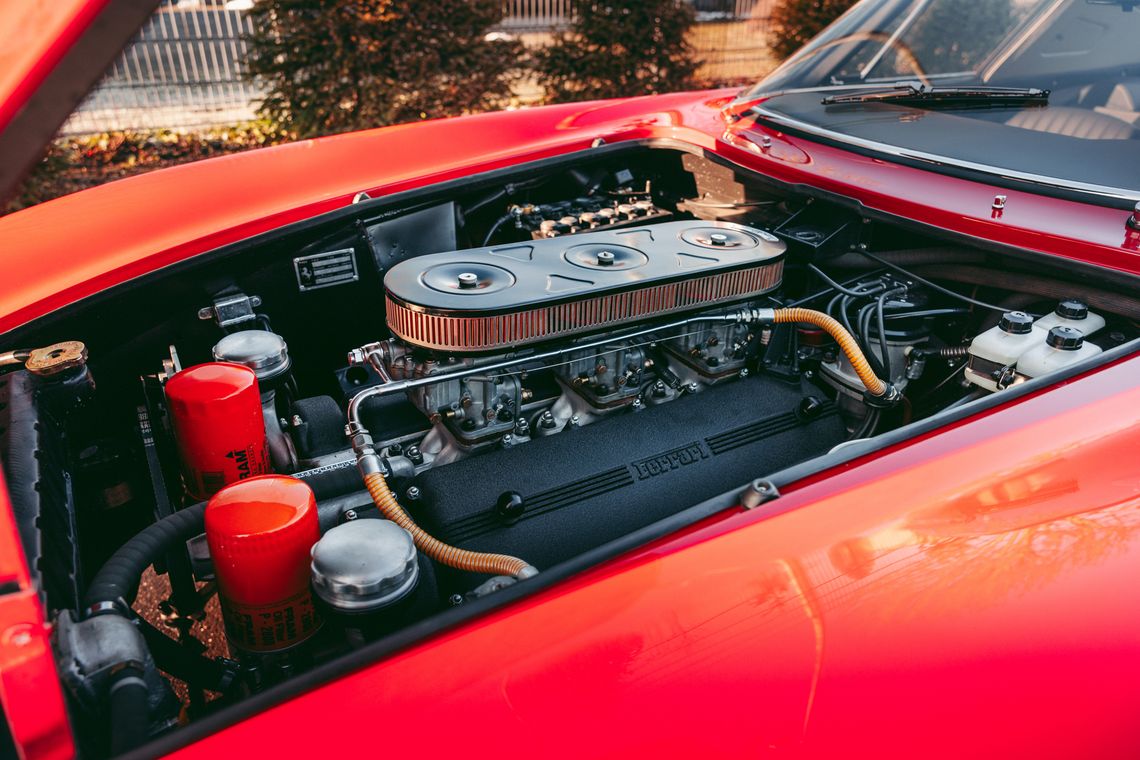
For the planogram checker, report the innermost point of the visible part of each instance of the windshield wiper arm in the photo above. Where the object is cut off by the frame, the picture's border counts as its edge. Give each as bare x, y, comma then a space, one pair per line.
917, 94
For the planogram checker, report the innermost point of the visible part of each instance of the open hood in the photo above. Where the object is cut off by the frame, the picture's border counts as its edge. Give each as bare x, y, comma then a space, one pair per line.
51, 55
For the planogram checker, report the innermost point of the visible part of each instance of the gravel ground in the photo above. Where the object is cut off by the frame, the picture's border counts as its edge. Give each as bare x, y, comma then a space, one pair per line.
153, 590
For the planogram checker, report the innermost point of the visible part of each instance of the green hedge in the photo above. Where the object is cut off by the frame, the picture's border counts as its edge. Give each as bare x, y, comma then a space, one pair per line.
343, 65
620, 48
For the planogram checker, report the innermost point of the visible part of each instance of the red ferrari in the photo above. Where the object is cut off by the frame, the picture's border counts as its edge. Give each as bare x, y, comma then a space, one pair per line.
798, 421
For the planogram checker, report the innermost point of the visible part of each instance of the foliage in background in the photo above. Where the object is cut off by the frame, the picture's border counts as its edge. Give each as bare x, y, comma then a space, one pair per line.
620, 48
344, 65
77, 163
794, 22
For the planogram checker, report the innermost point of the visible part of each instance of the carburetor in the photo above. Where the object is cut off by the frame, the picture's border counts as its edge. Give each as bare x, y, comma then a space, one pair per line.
713, 350
473, 407
606, 378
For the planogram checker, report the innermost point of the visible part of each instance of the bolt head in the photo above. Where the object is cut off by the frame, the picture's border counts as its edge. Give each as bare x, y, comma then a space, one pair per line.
350, 515
413, 492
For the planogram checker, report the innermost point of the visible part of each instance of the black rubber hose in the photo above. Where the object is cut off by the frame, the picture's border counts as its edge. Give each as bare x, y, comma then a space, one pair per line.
495, 228
119, 577
336, 481
834, 285
882, 325
129, 713
931, 285
863, 322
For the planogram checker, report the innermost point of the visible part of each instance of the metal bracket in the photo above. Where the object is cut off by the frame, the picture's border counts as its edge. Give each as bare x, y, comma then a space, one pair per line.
231, 310
759, 491
1004, 377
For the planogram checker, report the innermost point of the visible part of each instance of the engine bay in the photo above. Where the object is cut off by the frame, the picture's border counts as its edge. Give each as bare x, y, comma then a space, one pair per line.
321, 436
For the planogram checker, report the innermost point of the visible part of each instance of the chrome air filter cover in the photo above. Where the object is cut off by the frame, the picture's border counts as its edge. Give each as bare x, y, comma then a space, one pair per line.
602, 256
500, 297
719, 237
467, 278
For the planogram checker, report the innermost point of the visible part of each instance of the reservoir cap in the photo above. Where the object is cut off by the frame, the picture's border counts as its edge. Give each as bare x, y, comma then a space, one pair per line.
1071, 308
1016, 323
1065, 338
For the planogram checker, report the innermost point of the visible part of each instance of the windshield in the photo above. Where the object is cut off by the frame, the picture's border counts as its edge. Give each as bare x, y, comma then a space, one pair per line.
1029, 43
1086, 52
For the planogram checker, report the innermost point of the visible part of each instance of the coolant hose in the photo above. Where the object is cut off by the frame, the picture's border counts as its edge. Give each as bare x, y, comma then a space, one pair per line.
119, 578
129, 711
846, 341
452, 556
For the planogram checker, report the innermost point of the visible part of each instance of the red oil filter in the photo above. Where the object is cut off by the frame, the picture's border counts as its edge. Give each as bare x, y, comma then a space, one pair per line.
260, 532
216, 412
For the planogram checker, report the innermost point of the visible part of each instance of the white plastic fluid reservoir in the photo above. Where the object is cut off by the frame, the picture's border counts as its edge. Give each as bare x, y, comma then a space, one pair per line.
1063, 346
1001, 346
1072, 313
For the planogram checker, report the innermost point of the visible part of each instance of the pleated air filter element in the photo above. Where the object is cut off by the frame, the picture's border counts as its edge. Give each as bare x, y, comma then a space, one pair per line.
497, 298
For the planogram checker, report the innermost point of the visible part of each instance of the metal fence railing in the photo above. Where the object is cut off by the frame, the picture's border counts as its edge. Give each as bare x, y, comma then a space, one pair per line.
182, 71
184, 68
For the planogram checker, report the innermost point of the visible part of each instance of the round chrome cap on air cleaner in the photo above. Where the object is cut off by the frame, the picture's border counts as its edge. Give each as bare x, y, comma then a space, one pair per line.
720, 237
603, 256
364, 565
468, 278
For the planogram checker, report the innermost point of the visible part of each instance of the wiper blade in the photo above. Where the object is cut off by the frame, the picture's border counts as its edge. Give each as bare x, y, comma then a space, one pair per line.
917, 94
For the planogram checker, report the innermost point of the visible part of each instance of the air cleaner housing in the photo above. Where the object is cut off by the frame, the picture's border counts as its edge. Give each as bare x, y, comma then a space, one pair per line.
500, 297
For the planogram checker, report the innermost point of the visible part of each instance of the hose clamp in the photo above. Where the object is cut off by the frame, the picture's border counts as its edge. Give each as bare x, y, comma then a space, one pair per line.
104, 608
752, 315
890, 398
370, 463
527, 572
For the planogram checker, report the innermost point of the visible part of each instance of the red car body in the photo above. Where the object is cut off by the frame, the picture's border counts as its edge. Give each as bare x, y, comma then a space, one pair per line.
971, 591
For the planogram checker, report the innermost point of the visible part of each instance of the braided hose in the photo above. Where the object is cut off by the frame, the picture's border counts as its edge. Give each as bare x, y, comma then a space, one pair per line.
452, 556
845, 340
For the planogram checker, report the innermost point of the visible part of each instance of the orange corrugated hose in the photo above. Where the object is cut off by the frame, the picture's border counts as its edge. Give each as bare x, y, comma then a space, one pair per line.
452, 556
845, 340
